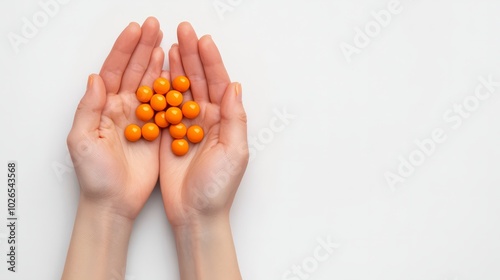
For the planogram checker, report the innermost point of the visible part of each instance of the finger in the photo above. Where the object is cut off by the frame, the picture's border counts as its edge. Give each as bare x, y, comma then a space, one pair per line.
176, 68
165, 74
215, 72
191, 61
117, 60
233, 126
142, 54
154, 68
88, 114
158, 40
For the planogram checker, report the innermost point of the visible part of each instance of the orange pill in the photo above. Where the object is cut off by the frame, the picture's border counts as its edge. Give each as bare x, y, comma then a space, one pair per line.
150, 131
181, 83
160, 119
144, 112
173, 115
180, 147
144, 93
161, 85
174, 98
195, 134
190, 109
133, 132
178, 131
158, 102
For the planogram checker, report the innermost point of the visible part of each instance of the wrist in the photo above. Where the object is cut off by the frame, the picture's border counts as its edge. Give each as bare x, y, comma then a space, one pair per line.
109, 208
102, 215
99, 243
206, 250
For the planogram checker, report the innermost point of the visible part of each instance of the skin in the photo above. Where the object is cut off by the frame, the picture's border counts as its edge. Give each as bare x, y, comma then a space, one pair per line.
198, 188
117, 177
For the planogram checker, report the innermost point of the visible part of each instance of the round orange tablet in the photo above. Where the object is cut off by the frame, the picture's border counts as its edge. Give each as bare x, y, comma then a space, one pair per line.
161, 85
150, 131
190, 109
174, 98
132, 132
178, 130
195, 134
173, 115
144, 112
158, 102
160, 119
180, 147
144, 93
181, 83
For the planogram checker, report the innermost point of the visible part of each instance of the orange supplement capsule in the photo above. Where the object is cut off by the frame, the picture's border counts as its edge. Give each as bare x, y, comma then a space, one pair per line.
158, 102
190, 109
195, 134
160, 119
174, 98
178, 130
161, 85
173, 115
150, 131
132, 132
180, 147
181, 83
144, 93
144, 112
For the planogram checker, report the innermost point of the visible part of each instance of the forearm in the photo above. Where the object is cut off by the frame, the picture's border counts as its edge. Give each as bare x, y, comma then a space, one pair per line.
99, 244
205, 250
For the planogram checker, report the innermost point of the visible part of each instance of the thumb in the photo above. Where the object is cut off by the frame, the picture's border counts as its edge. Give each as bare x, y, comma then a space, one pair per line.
233, 127
88, 113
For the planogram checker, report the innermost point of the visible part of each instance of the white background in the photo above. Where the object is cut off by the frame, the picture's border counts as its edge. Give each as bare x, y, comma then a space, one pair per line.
323, 174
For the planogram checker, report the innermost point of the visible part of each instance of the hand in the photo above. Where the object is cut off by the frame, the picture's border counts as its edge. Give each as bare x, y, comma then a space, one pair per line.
115, 174
199, 187
204, 181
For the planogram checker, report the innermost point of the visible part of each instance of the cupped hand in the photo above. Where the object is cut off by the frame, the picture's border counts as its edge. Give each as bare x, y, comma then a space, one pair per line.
203, 182
114, 173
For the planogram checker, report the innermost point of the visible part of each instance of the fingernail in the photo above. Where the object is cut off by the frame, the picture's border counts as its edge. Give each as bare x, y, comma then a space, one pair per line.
90, 81
238, 91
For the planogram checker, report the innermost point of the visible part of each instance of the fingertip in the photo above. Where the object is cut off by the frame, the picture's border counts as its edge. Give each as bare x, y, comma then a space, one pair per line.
206, 37
232, 99
96, 86
165, 74
133, 31
158, 56
184, 29
184, 25
152, 21
134, 26
173, 54
158, 50
205, 40
233, 130
88, 113
239, 91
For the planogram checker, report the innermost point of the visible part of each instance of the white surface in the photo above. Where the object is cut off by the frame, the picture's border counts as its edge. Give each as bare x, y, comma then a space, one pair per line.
323, 175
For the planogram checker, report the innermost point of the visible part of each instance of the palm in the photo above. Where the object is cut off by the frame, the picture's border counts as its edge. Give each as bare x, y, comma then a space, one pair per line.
186, 179
114, 169
197, 183
131, 168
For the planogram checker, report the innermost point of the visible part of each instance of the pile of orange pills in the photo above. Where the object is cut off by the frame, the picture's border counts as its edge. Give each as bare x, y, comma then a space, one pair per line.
162, 107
